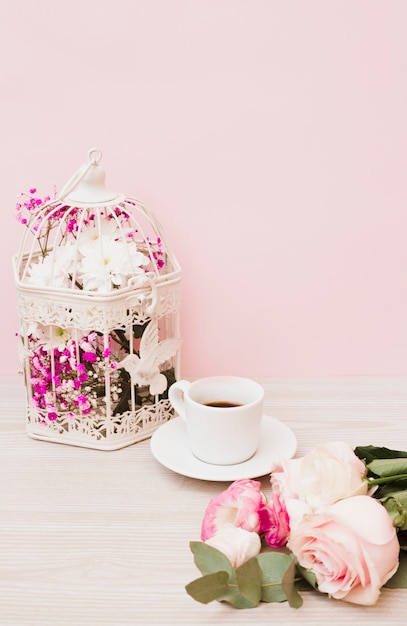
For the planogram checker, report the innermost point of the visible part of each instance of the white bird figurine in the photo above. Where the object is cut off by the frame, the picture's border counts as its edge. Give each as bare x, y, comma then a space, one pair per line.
144, 369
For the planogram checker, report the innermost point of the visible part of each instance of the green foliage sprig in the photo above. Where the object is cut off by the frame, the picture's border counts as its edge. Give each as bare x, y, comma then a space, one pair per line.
274, 575
269, 577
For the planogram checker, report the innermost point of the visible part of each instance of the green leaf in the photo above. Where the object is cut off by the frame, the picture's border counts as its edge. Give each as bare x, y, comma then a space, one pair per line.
293, 597
208, 588
395, 504
233, 595
370, 453
278, 578
248, 578
208, 559
389, 467
273, 566
399, 580
307, 576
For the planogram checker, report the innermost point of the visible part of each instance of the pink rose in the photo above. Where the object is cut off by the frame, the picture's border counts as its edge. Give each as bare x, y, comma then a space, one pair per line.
238, 505
350, 546
329, 473
237, 544
274, 522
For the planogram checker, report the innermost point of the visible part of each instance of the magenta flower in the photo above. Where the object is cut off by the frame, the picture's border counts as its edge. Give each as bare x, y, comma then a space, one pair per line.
83, 403
238, 505
274, 522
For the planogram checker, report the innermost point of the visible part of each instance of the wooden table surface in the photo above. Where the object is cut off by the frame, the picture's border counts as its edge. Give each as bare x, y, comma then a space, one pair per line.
102, 538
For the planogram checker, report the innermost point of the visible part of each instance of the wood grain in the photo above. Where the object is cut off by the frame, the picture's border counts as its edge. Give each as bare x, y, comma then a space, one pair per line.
102, 538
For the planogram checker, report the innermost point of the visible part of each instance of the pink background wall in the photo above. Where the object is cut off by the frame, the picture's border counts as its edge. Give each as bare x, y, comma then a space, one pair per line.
269, 137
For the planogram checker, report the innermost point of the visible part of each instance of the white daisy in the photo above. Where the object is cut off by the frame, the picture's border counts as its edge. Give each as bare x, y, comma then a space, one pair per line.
107, 262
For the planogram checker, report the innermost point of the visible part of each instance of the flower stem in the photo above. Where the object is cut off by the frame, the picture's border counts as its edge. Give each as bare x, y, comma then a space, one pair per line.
386, 479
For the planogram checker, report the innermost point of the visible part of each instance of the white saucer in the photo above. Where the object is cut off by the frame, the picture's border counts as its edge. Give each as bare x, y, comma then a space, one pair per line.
169, 446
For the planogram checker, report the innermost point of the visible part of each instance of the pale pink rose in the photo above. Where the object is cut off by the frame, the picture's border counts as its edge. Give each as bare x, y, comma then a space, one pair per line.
237, 544
329, 473
286, 478
350, 546
274, 522
238, 505
296, 510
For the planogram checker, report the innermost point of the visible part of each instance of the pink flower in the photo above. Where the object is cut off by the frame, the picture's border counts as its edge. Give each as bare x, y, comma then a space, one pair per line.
83, 403
274, 522
238, 505
327, 474
237, 544
350, 546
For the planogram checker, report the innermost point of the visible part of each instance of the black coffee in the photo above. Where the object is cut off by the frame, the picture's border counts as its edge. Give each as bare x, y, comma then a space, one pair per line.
223, 404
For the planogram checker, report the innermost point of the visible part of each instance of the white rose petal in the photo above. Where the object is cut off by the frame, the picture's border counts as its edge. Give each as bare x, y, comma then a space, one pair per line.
237, 544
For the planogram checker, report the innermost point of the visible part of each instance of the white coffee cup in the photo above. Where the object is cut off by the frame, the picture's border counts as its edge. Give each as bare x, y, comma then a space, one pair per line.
223, 417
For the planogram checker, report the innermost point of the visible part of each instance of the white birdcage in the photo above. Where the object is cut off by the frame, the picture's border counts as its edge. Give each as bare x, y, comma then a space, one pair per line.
98, 302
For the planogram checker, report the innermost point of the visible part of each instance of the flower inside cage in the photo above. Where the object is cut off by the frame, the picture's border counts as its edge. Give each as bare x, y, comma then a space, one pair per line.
99, 300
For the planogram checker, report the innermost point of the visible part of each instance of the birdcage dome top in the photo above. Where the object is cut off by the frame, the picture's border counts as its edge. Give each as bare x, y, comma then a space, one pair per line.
91, 241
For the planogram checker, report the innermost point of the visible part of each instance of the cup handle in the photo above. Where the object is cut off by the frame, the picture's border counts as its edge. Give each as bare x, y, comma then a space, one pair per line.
176, 396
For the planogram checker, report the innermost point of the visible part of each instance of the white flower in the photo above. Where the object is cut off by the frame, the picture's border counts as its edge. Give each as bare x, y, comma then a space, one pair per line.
93, 231
32, 329
325, 475
108, 262
51, 337
297, 509
53, 270
331, 472
237, 544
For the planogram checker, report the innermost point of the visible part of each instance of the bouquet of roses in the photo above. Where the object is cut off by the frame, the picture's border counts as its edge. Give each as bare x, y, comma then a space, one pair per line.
334, 520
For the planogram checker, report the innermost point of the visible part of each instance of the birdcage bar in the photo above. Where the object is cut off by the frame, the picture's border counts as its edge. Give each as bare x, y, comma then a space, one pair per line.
98, 354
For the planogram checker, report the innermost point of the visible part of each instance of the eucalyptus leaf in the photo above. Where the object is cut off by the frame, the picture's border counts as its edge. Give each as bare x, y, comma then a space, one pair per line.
308, 576
293, 597
209, 587
208, 559
233, 596
273, 565
248, 578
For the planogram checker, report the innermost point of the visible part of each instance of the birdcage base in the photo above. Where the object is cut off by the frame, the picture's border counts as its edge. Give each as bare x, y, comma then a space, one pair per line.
99, 433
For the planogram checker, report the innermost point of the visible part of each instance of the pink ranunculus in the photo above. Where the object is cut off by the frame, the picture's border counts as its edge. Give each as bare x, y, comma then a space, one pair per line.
350, 546
274, 522
238, 505
237, 544
329, 473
